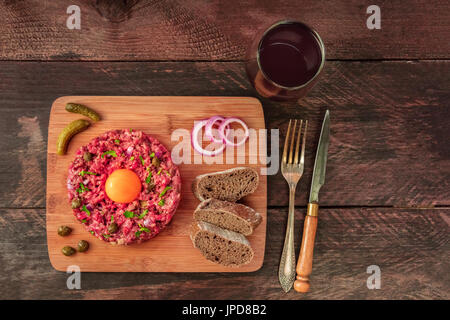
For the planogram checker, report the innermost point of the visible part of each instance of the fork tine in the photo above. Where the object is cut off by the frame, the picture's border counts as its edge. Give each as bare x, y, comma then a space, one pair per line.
286, 143
302, 156
292, 142
298, 142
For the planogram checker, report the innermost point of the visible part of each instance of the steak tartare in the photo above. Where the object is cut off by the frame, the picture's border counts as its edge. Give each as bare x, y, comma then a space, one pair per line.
140, 219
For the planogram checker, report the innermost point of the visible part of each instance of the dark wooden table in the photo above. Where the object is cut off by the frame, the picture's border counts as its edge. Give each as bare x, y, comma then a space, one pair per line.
386, 200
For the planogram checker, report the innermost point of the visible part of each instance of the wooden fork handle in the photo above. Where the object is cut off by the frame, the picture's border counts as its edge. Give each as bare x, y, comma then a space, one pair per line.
304, 264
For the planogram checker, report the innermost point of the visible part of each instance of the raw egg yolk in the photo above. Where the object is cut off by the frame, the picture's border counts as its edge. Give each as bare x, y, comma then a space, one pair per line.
123, 186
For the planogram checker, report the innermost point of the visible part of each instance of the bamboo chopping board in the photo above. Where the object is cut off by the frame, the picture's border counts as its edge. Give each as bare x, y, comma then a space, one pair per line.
171, 250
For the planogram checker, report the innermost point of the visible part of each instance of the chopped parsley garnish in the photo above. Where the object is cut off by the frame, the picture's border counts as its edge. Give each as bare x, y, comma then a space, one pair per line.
131, 130
92, 232
84, 221
83, 173
110, 152
168, 173
149, 178
117, 141
137, 234
159, 171
142, 160
161, 202
85, 209
142, 228
164, 191
128, 214
132, 158
112, 218
106, 235
82, 188
152, 155
143, 214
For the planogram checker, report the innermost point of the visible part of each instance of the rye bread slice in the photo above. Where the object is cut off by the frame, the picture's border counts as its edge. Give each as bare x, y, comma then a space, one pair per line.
229, 185
228, 215
221, 246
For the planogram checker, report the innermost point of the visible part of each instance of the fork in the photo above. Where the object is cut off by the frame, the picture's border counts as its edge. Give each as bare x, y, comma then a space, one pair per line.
292, 170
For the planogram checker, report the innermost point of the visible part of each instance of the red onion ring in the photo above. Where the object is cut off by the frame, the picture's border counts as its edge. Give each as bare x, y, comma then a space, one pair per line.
197, 147
223, 134
208, 128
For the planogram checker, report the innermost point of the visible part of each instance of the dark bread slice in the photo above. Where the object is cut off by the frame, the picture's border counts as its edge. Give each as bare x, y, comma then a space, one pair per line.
221, 246
229, 185
228, 215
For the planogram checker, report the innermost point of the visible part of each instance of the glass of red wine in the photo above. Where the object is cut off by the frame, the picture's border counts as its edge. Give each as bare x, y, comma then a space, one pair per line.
285, 60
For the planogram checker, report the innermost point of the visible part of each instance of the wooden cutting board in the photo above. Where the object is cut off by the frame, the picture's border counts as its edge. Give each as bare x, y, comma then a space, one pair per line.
171, 250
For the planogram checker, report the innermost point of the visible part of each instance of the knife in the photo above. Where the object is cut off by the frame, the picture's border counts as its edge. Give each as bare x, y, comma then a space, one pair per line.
304, 263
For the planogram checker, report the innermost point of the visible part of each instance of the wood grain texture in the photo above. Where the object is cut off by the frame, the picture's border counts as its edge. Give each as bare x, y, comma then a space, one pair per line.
389, 142
216, 30
389, 123
172, 249
411, 246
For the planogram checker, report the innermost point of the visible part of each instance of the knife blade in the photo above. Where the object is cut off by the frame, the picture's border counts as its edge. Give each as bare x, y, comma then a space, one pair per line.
318, 178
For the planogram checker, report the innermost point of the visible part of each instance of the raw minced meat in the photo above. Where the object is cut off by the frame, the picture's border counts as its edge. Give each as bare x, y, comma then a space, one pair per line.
155, 205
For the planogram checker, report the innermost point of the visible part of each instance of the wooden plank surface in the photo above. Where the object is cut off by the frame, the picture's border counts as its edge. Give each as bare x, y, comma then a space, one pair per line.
171, 250
216, 30
411, 247
389, 142
389, 149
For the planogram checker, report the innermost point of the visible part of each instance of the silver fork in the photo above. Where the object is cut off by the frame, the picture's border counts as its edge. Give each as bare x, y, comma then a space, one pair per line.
292, 170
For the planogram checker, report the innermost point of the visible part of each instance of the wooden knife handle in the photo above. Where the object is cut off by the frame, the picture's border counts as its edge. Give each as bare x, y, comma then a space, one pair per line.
304, 264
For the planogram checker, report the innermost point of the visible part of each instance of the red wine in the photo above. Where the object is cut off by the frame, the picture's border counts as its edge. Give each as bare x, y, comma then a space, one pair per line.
290, 54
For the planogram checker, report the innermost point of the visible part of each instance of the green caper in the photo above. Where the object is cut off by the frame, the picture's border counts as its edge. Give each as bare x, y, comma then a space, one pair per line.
155, 161
87, 156
64, 231
112, 228
83, 246
68, 251
76, 203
